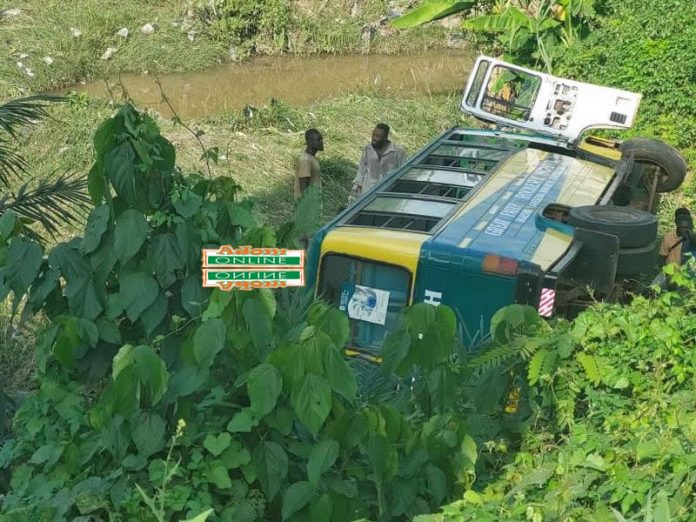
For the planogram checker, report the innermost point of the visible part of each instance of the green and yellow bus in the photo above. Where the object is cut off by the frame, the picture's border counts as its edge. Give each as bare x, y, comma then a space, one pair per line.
479, 219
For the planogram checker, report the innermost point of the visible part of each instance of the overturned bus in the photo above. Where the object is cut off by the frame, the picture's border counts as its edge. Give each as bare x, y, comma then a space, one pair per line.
480, 219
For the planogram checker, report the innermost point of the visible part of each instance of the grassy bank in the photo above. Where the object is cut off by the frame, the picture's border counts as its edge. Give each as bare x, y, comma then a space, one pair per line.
52, 43
258, 153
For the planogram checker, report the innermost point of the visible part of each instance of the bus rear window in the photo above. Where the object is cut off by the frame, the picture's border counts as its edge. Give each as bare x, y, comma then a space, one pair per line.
371, 294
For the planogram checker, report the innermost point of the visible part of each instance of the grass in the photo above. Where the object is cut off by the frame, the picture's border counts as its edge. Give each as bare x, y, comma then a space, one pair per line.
43, 30
258, 153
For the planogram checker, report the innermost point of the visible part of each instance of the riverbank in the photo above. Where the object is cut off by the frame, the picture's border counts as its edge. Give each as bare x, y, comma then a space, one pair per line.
54, 44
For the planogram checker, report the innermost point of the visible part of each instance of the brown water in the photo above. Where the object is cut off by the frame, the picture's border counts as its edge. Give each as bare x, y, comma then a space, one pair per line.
295, 80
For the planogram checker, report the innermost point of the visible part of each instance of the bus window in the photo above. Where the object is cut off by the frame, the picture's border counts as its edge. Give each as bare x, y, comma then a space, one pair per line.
372, 294
477, 84
511, 93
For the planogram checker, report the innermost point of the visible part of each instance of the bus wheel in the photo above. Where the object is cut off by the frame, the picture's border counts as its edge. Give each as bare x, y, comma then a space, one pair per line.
657, 158
637, 260
633, 227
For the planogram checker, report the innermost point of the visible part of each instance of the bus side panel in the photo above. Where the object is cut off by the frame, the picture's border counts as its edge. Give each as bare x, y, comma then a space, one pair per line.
473, 297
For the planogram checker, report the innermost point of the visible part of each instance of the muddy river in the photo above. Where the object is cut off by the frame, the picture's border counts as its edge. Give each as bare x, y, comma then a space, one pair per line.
293, 79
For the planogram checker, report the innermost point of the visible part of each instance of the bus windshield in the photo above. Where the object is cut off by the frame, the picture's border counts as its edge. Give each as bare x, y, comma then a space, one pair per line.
372, 294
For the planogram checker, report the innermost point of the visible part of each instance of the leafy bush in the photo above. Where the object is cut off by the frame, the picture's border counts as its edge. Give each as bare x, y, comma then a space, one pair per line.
624, 447
159, 398
246, 23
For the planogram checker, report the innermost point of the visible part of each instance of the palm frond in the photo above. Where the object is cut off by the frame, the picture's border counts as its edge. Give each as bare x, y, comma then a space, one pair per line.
24, 111
11, 163
51, 203
14, 114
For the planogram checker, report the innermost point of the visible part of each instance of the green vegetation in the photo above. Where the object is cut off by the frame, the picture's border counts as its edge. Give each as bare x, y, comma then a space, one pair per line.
159, 396
533, 33
616, 433
159, 400
52, 43
648, 49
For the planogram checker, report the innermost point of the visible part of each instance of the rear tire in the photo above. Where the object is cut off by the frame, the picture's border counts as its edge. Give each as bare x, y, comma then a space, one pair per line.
633, 227
655, 154
641, 260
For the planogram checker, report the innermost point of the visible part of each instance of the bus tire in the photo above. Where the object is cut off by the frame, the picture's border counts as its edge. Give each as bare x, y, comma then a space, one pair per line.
671, 164
641, 260
633, 227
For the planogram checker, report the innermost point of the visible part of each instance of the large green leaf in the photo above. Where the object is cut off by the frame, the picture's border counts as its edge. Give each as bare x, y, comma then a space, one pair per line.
148, 433
74, 336
189, 240
96, 183
264, 385
241, 216
80, 290
208, 340
43, 286
311, 400
23, 264
259, 321
321, 458
508, 21
441, 386
291, 364
437, 483
296, 497
138, 291
165, 257
119, 164
320, 508
125, 388
218, 475
339, 374
431, 10
271, 464
108, 331
383, 458
116, 437
97, 223
129, 235
152, 373
331, 321
122, 360
83, 298
155, 314
395, 350
188, 204
103, 259
193, 296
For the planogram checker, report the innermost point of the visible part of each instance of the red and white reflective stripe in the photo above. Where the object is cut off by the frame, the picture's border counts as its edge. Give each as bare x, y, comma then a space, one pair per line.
548, 296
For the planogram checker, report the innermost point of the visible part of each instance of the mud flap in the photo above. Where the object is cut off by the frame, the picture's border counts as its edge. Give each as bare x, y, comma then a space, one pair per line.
591, 262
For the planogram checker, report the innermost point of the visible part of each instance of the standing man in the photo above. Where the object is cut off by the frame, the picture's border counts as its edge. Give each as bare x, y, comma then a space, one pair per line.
307, 169
378, 158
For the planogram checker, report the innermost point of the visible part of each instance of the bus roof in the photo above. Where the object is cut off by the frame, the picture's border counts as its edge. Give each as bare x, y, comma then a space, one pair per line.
482, 191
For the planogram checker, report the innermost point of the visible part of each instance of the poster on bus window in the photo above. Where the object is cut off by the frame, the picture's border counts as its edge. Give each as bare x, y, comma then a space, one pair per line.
364, 303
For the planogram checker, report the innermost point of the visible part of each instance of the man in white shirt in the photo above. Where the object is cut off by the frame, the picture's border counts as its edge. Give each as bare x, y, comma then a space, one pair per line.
378, 158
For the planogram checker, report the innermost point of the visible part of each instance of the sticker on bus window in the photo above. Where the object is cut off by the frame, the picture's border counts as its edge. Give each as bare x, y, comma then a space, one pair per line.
364, 303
